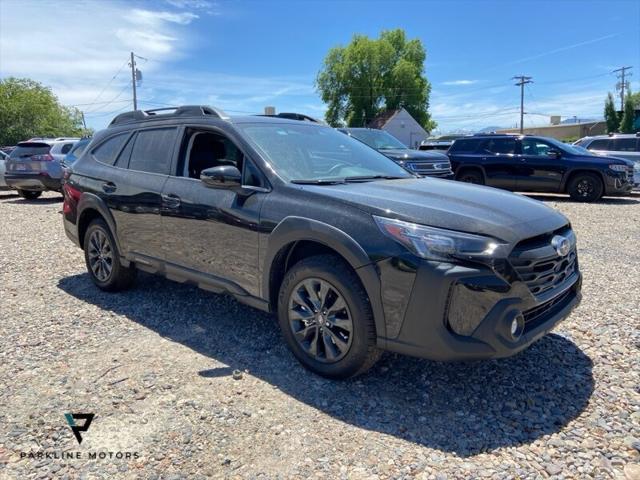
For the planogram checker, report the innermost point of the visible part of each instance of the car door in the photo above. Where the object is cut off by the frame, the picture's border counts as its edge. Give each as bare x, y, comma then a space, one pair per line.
500, 162
539, 169
211, 234
133, 192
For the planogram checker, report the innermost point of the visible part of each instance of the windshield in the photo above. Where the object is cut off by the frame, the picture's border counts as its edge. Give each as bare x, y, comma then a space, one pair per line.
309, 152
378, 139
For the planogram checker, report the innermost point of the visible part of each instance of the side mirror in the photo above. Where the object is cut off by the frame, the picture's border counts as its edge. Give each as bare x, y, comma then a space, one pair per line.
554, 153
224, 176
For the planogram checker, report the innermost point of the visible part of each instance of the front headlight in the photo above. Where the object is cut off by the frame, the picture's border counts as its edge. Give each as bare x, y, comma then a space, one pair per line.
618, 168
440, 244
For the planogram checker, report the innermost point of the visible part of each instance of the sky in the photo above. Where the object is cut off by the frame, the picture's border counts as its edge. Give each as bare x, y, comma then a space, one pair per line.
244, 55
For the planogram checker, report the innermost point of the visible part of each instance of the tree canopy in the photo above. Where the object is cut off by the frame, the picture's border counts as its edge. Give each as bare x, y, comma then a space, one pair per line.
29, 109
628, 116
369, 76
610, 114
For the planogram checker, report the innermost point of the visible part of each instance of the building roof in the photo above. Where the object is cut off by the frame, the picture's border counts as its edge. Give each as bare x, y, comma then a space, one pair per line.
382, 119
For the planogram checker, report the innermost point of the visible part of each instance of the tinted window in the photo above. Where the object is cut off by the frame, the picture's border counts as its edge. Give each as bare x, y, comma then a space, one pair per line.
467, 145
106, 152
602, 144
25, 150
501, 145
252, 176
152, 150
79, 148
531, 146
624, 144
66, 148
125, 154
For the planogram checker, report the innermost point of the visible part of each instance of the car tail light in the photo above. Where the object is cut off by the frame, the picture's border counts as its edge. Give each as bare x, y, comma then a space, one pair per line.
45, 157
71, 198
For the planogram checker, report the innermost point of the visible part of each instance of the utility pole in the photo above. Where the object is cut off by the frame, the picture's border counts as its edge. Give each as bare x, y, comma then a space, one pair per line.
133, 81
622, 84
523, 80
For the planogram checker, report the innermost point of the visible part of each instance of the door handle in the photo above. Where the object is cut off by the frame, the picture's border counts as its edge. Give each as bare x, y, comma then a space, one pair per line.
171, 200
109, 187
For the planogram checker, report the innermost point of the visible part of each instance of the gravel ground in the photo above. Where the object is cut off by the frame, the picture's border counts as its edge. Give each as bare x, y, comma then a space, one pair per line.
156, 366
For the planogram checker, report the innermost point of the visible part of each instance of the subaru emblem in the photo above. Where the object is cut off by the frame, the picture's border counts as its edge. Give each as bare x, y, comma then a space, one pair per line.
561, 244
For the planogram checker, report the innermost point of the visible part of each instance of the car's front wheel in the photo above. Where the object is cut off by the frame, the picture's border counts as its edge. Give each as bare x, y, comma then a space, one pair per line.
326, 318
103, 259
29, 194
585, 187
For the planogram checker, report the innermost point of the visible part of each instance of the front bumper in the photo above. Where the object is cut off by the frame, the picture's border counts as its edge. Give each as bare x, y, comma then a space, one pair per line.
32, 181
474, 299
618, 183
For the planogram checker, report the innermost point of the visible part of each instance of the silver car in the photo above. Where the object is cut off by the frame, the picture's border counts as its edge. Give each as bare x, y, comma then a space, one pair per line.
622, 145
34, 166
3, 159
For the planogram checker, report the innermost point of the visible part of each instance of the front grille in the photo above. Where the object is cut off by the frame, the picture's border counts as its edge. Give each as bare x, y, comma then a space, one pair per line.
538, 315
538, 264
429, 168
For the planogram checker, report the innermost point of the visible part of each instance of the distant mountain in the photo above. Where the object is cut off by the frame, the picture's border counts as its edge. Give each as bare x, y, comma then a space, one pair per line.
490, 129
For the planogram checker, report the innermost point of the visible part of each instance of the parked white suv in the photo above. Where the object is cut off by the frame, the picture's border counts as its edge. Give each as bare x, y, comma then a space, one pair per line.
622, 145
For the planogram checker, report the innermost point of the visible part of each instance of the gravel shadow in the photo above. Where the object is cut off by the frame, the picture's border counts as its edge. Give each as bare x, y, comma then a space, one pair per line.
566, 199
37, 201
465, 408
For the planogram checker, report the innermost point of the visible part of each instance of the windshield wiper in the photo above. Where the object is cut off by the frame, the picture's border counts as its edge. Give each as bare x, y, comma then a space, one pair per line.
367, 178
319, 181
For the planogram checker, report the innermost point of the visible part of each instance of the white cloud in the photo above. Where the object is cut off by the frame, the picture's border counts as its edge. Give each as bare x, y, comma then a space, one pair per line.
460, 82
155, 19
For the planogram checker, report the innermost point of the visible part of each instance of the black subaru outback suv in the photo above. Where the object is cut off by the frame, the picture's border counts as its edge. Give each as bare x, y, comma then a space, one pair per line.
539, 164
355, 254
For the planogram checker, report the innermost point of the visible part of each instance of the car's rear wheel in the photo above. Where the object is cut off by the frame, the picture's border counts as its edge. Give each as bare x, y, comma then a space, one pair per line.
29, 194
585, 187
326, 319
471, 176
103, 259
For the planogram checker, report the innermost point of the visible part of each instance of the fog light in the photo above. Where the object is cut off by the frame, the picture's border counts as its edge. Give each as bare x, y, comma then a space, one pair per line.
517, 327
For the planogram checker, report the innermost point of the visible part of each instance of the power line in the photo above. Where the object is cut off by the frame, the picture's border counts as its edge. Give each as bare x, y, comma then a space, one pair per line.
109, 83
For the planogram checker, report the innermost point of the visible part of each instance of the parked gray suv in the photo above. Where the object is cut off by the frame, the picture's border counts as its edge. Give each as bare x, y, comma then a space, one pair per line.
622, 145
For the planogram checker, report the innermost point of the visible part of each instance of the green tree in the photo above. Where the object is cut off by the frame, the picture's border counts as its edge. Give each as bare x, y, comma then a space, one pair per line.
611, 117
635, 98
628, 116
368, 76
29, 109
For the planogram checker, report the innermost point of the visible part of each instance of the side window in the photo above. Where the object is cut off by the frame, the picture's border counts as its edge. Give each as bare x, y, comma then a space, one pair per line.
534, 147
252, 176
501, 145
624, 144
66, 148
125, 154
206, 150
601, 144
467, 145
106, 152
152, 150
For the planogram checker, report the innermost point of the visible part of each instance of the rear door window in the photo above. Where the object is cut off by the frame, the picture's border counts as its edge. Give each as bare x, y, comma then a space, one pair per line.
153, 150
624, 144
467, 145
66, 148
501, 146
600, 144
106, 152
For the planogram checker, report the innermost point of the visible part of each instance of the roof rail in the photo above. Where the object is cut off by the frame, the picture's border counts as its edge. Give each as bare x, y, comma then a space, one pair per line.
293, 116
179, 111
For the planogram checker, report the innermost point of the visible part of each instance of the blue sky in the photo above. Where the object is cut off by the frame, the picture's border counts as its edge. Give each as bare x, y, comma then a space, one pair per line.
243, 55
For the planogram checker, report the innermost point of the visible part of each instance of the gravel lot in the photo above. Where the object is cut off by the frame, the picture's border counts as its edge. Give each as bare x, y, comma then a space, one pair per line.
155, 365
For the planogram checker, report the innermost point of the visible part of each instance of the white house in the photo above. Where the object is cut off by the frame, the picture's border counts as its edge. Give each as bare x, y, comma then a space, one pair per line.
401, 125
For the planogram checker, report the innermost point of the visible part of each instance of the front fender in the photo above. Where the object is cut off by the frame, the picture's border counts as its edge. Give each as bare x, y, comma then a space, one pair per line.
295, 229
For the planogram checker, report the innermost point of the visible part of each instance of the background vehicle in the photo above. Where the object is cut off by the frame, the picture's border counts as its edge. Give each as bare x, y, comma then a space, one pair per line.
354, 253
430, 164
3, 158
75, 152
538, 164
621, 145
441, 143
34, 166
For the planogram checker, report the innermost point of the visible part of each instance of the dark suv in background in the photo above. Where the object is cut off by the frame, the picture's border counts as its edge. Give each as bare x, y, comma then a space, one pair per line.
355, 254
430, 164
538, 164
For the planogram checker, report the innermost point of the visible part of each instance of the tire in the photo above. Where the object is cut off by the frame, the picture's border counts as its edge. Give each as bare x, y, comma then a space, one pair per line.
339, 353
29, 194
585, 187
471, 176
105, 268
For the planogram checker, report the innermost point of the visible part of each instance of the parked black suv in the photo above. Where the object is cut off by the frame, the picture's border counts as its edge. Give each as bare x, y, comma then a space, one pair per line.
355, 254
538, 164
430, 164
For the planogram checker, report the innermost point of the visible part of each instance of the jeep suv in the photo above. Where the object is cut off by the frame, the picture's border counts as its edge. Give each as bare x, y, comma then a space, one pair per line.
354, 254
430, 164
538, 164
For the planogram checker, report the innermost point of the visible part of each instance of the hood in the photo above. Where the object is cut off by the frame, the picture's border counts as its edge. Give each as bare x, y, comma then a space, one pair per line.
452, 205
406, 154
606, 159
